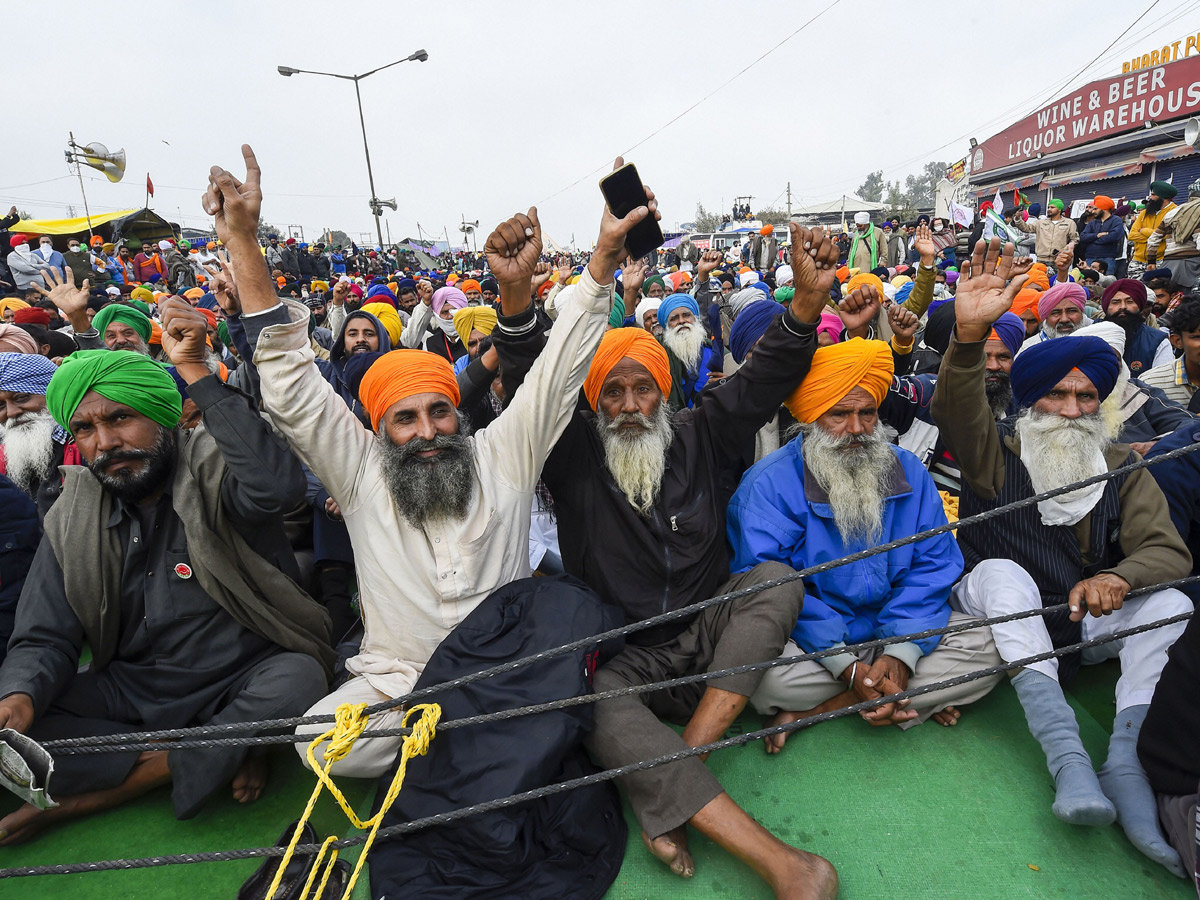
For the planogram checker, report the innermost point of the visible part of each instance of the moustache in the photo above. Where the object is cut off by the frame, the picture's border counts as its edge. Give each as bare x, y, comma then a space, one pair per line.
448, 444
104, 460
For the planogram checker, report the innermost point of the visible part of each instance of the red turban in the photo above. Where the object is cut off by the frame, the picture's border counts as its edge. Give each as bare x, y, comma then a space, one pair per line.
403, 373
32, 315
634, 343
836, 371
209, 315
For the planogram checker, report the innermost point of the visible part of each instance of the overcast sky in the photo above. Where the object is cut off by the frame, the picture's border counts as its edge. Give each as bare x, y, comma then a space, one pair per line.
526, 103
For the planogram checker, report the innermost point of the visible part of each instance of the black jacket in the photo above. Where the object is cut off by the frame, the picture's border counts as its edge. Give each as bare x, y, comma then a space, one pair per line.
566, 845
677, 555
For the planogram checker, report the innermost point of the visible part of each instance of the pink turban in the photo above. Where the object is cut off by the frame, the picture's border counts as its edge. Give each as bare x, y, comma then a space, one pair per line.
1064, 290
448, 296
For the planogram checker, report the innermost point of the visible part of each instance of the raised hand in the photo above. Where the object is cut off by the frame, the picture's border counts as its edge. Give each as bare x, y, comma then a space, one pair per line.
610, 245
184, 331
984, 290
904, 322
1064, 258
514, 248
341, 290
70, 300
709, 261
424, 291
1021, 265
541, 274
923, 244
235, 205
633, 277
859, 308
814, 266
220, 279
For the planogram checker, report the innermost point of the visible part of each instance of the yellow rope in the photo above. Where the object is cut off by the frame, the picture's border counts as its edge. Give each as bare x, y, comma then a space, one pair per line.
349, 722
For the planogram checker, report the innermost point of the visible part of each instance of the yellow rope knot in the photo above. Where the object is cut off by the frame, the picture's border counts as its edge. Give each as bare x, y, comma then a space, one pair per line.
349, 723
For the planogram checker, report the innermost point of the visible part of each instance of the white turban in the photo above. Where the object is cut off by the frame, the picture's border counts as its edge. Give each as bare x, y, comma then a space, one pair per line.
1109, 332
748, 278
783, 275
862, 218
649, 304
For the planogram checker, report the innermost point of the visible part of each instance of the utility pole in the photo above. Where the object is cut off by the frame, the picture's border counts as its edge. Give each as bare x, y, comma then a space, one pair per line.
789, 193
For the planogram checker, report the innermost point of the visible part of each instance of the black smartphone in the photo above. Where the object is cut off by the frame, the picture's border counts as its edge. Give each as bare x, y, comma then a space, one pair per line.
623, 192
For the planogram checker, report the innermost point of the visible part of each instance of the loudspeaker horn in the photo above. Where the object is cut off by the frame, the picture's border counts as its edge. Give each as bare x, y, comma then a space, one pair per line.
97, 156
1191, 131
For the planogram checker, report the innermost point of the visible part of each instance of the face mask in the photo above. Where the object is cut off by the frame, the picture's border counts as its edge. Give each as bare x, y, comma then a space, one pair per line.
74, 248
47, 249
937, 229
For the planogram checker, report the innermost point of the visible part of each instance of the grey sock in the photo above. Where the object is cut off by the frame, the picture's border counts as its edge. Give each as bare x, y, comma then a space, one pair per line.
1125, 784
1078, 798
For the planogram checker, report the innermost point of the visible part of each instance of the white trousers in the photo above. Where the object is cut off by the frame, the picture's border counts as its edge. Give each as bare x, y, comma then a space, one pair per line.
804, 685
997, 587
368, 758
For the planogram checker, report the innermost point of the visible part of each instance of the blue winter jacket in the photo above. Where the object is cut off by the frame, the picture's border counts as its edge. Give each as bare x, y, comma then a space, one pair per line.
780, 513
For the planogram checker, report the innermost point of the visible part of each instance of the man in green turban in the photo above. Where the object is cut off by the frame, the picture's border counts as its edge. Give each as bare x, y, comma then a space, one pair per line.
167, 556
124, 328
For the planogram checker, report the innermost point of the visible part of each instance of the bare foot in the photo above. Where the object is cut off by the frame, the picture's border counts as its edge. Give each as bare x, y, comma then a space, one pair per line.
806, 877
26, 823
774, 742
251, 778
948, 716
672, 849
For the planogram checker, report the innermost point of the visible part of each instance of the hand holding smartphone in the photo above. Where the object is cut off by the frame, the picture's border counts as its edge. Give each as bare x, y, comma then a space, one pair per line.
623, 192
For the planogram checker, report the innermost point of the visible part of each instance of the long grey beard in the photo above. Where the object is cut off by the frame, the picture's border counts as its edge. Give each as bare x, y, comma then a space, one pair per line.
1112, 407
687, 342
1058, 451
28, 441
637, 459
429, 490
857, 480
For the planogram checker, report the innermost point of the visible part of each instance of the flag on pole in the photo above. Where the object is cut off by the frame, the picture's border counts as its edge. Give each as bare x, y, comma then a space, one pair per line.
962, 215
149, 185
994, 224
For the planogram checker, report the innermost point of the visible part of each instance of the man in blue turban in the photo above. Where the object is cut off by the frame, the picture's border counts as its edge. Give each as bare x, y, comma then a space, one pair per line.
750, 326
692, 359
32, 444
1088, 548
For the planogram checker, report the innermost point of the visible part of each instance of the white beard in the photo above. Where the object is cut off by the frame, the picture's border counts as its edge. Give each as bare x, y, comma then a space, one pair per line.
637, 459
687, 342
1057, 450
856, 480
1111, 410
29, 448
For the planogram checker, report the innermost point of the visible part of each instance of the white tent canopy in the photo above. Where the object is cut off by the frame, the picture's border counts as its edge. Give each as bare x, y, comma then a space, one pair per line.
847, 203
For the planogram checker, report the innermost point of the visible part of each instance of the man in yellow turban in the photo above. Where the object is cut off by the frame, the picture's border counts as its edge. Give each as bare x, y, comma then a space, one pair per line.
438, 517
169, 559
841, 486
388, 318
474, 324
8, 309
641, 495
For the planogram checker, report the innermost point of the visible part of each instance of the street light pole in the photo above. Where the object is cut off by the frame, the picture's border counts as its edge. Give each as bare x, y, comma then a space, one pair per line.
375, 203
370, 176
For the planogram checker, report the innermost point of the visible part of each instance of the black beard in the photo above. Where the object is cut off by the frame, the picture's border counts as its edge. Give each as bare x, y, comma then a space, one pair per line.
430, 490
1130, 321
999, 393
134, 486
1154, 206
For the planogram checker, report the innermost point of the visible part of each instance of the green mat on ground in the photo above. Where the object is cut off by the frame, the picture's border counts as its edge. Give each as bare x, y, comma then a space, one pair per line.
957, 813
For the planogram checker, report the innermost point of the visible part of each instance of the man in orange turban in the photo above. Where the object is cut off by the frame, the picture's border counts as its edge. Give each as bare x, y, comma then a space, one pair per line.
438, 518
641, 495
841, 486
1025, 306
